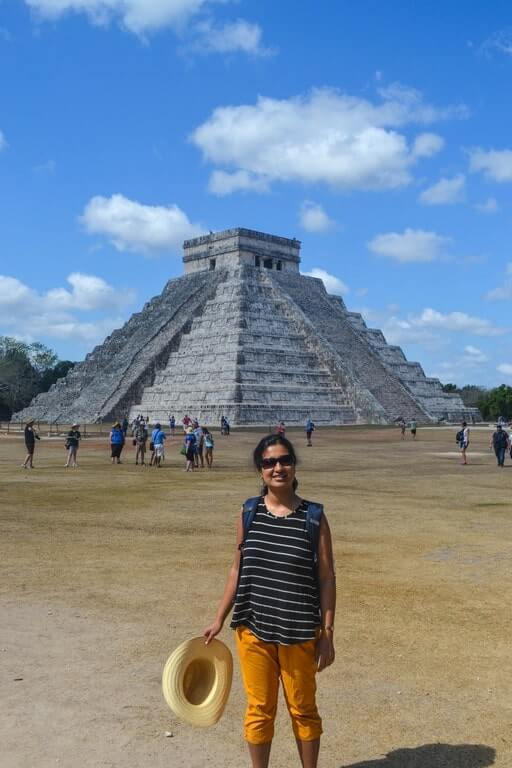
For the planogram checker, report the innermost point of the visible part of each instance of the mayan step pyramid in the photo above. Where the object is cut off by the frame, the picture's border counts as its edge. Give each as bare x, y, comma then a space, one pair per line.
245, 335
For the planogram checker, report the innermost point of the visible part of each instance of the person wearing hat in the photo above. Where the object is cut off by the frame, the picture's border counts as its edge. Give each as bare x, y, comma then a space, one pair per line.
500, 441
283, 594
72, 442
190, 442
116, 443
30, 436
158, 438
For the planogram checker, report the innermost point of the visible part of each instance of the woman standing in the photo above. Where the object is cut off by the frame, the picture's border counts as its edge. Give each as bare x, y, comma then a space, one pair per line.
284, 595
464, 441
189, 441
30, 436
209, 444
116, 443
72, 442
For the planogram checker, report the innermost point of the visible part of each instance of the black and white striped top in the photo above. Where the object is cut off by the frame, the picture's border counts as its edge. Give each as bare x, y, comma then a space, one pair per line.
277, 595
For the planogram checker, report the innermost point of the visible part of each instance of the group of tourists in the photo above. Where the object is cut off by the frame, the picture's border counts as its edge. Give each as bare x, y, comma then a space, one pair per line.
402, 424
198, 442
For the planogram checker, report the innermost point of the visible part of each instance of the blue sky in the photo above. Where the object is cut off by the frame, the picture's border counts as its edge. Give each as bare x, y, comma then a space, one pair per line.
379, 134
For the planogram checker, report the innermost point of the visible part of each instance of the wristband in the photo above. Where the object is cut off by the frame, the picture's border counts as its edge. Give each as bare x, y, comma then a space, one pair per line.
328, 628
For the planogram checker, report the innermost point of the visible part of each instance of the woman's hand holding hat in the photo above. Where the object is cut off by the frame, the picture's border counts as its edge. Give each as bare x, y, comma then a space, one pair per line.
212, 630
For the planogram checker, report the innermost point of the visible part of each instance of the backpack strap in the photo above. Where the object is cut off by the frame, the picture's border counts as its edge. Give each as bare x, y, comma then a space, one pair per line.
249, 509
313, 518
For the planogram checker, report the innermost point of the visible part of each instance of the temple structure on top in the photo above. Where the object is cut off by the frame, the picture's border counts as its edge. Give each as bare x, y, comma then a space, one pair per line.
243, 334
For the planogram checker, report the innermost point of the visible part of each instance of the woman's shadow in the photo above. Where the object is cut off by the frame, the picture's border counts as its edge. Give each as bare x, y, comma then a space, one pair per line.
433, 756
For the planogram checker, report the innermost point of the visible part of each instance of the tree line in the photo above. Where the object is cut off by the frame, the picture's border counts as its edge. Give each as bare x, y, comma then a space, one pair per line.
492, 403
26, 370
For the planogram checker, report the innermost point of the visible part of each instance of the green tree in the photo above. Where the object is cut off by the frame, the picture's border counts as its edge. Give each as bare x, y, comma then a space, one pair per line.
496, 402
26, 370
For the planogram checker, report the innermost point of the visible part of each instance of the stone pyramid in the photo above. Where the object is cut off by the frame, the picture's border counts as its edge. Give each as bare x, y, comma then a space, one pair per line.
245, 335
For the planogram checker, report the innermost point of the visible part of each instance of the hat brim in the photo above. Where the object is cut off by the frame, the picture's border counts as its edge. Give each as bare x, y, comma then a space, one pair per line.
196, 681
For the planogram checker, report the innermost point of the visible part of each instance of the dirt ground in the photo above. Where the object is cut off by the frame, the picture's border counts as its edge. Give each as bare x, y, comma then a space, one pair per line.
106, 569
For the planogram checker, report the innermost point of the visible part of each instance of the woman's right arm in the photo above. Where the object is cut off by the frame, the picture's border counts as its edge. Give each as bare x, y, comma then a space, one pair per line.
228, 598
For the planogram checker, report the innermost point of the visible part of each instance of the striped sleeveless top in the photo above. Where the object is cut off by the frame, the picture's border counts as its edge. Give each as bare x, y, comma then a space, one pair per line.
277, 594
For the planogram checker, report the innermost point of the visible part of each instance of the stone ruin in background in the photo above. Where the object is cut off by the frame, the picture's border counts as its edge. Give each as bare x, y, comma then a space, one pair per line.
245, 335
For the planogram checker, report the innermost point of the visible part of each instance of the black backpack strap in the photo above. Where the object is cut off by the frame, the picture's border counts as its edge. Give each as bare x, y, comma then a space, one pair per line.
249, 509
313, 518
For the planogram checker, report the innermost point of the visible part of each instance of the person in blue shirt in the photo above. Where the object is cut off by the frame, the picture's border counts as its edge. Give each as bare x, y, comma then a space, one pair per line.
190, 448
310, 428
116, 443
158, 438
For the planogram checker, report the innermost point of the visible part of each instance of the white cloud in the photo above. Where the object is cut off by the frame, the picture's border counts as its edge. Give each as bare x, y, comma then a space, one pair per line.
454, 321
25, 313
445, 191
490, 206
323, 137
332, 284
427, 145
88, 292
500, 41
313, 218
413, 245
494, 164
3, 141
222, 183
505, 368
48, 166
137, 16
503, 291
132, 226
474, 356
237, 36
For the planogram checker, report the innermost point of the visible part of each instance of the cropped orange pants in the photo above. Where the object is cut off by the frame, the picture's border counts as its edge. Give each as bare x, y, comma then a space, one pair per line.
263, 665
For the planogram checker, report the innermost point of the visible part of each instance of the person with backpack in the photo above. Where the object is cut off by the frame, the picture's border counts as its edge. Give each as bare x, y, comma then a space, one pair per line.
140, 438
462, 438
189, 444
282, 589
500, 441
310, 428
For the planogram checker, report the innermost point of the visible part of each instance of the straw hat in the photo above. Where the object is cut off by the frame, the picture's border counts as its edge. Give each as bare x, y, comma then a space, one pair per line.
197, 679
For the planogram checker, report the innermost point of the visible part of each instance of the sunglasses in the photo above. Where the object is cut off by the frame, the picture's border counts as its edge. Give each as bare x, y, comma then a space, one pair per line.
285, 461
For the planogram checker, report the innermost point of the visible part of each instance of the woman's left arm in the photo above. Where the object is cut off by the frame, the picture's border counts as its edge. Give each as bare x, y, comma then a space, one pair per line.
327, 590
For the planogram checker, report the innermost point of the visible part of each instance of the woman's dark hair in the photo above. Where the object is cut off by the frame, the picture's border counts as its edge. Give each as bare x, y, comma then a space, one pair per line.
265, 443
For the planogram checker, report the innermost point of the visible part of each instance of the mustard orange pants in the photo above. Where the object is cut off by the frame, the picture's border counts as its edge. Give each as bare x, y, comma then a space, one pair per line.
263, 665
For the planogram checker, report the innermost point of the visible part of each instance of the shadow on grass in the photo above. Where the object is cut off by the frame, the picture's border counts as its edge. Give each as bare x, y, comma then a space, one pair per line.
433, 756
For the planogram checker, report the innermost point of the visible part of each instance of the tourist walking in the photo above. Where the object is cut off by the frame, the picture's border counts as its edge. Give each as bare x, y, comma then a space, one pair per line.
402, 426
158, 438
189, 441
463, 440
199, 433
172, 425
282, 589
281, 429
413, 427
116, 443
124, 426
310, 428
500, 441
30, 436
72, 443
140, 438
209, 444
